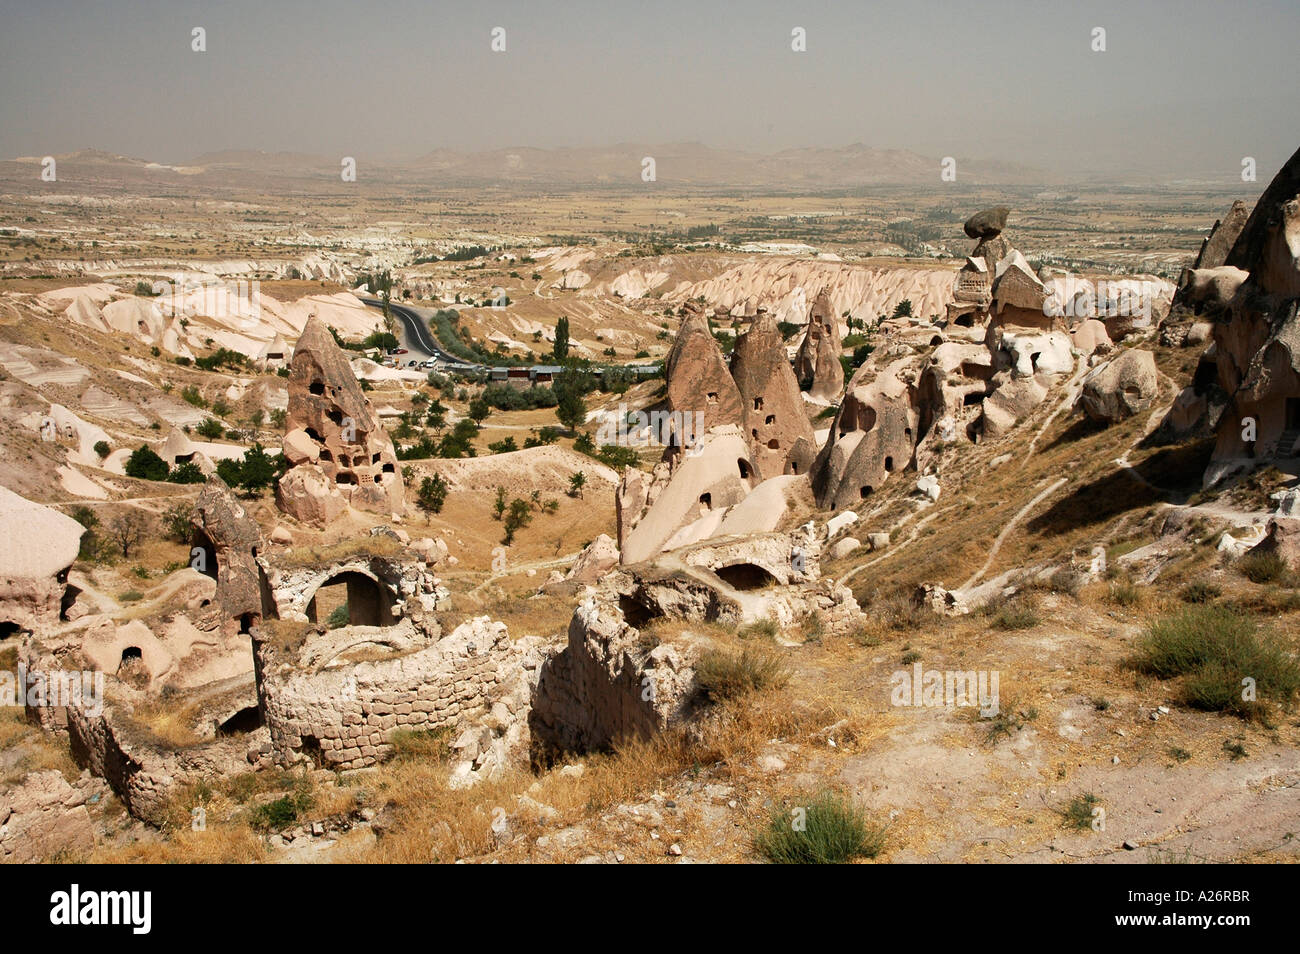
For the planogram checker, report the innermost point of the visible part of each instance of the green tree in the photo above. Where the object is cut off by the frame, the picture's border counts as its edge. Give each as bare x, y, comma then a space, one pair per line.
561, 348
176, 522
258, 470
432, 494
517, 517
436, 417
576, 483
211, 429
572, 409
499, 505
144, 464
186, 473
903, 309
479, 410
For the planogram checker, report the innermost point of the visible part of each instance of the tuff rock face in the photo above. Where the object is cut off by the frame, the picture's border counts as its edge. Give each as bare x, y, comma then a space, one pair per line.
229, 538
1214, 250
776, 424
871, 437
40, 545
1120, 388
817, 364
697, 377
1256, 346
338, 452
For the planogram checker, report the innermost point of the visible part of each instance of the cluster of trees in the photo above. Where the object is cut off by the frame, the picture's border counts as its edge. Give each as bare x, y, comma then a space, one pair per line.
222, 358
254, 473
104, 543
518, 513
144, 464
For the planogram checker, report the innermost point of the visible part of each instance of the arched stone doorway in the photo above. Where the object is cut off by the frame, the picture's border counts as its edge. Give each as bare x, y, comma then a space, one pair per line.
362, 599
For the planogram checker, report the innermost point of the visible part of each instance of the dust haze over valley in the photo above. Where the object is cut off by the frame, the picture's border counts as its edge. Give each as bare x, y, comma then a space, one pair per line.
716, 433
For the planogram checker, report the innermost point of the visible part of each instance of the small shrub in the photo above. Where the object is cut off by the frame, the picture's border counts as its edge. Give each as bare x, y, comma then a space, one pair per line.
910, 657
1016, 614
102, 449
834, 831
762, 629
1179, 754
1263, 568
338, 617
1078, 814
1213, 648
1200, 592
282, 812
1008, 720
1124, 593
724, 675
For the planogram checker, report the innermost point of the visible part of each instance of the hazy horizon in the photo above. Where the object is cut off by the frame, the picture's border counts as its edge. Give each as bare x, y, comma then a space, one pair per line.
1182, 89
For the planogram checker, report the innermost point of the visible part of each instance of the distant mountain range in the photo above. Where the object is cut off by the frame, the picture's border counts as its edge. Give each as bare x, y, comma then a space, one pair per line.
676, 165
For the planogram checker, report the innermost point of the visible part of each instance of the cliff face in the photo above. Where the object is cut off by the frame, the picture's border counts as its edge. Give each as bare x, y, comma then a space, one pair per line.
1256, 345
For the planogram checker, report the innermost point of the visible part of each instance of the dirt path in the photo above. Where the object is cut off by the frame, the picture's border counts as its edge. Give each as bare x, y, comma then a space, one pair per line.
1011, 525
894, 547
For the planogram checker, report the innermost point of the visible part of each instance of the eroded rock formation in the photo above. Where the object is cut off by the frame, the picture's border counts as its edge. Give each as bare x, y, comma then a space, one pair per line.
1256, 346
698, 381
338, 452
775, 422
817, 364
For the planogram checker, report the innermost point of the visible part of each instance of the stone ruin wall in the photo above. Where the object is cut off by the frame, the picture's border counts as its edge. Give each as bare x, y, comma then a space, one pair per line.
608, 683
342, 715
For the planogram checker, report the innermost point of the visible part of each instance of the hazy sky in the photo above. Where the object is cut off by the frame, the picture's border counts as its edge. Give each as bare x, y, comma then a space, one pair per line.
1184, 87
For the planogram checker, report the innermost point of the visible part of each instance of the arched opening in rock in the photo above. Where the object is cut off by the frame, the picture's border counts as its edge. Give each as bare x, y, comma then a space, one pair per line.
865, 491
131, 656
245, 720
351, 598
770, 419
310, 747
246, 623
343, 477
316, 387
966, 320
205, 561
774, 444
1033, 359
706, 503
388, 468
335, 415
794, 467
744, 468
971, 398
889, 465
8, 629
635, 613
70, 594
936, 341
312, 433
746, 576
758, 404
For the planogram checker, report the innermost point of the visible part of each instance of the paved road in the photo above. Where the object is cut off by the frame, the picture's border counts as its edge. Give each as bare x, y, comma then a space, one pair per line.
417, 335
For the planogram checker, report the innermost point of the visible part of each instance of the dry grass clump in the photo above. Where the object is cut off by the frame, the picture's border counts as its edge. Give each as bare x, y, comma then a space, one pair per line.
826, 828
1265, 568
381, 544
1013, 613
1225, 662
722, 674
